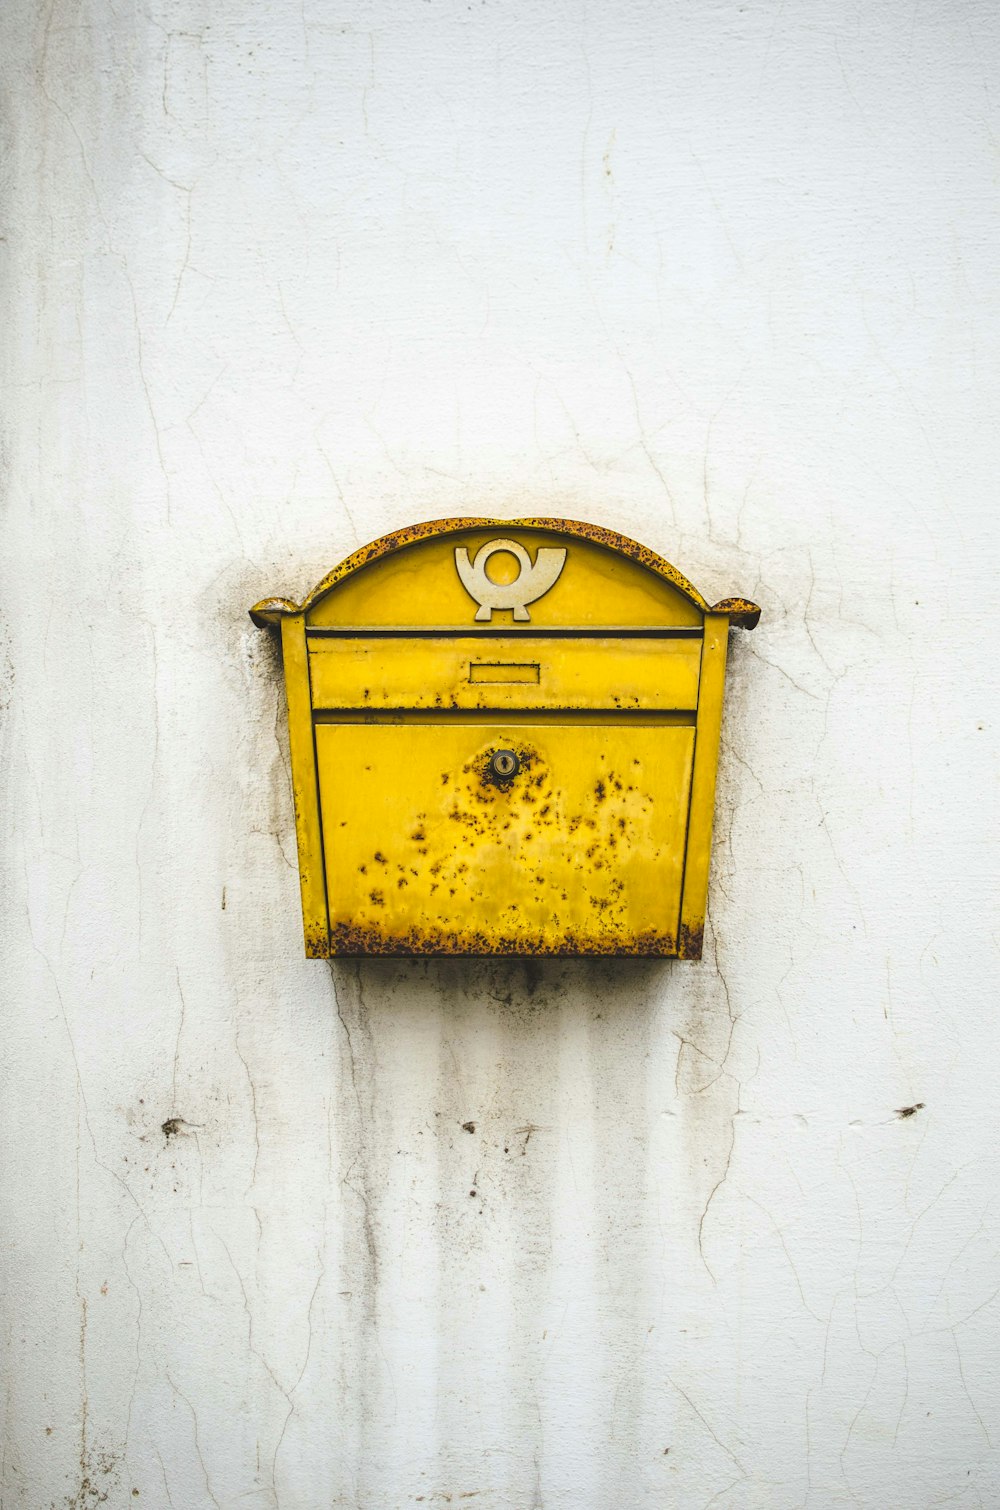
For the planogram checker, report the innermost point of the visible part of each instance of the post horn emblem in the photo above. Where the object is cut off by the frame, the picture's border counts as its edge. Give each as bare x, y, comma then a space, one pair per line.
532, 582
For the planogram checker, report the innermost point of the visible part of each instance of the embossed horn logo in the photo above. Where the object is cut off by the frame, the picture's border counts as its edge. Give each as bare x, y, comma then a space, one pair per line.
532, 582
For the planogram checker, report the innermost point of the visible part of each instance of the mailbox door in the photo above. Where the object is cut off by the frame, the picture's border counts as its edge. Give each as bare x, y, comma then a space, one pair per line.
580, 852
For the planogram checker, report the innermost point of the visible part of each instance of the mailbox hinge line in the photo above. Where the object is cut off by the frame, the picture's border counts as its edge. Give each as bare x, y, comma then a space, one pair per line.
507, 631
641, 718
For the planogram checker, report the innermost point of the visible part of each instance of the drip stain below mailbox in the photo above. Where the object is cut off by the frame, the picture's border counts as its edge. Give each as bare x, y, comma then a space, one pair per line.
514, 765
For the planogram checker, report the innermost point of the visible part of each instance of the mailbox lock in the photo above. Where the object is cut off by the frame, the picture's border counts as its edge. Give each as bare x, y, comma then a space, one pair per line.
504, 764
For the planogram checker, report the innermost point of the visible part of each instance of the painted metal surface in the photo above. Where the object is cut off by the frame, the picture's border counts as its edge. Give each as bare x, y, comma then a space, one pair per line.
474, 777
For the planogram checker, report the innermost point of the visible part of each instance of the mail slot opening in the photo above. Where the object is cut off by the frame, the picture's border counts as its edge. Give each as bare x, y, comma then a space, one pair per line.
504, 671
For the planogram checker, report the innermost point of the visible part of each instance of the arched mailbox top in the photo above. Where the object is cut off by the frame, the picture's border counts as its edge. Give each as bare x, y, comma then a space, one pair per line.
413, 576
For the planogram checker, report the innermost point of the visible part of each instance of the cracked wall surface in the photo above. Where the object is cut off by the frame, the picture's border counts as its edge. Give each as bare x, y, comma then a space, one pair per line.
280, 1234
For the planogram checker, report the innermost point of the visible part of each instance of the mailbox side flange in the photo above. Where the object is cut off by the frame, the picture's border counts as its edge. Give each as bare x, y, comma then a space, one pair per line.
308, 825
701, 809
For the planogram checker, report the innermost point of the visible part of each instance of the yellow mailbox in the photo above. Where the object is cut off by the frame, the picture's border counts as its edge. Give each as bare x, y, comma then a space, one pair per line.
504, 738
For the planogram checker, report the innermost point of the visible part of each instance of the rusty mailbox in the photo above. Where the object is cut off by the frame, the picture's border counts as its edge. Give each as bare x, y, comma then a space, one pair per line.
504, 738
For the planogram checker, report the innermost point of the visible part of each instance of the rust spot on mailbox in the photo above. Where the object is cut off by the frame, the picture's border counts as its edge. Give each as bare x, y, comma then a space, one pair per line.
514, 726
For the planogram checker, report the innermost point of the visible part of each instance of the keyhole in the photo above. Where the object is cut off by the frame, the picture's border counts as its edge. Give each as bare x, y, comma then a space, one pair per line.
504, 764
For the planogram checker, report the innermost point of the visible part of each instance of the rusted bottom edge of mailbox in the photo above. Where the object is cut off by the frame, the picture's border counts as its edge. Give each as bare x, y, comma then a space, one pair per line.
353, 941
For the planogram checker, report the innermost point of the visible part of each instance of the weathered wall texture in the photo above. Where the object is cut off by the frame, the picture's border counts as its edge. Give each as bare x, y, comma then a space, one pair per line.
279, 278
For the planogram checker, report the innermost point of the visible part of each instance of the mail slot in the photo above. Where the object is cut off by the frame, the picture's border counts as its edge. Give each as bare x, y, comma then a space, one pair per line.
505, 671
504, 738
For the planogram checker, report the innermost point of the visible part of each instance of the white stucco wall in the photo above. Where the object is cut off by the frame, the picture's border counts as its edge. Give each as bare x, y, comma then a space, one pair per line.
280, 278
